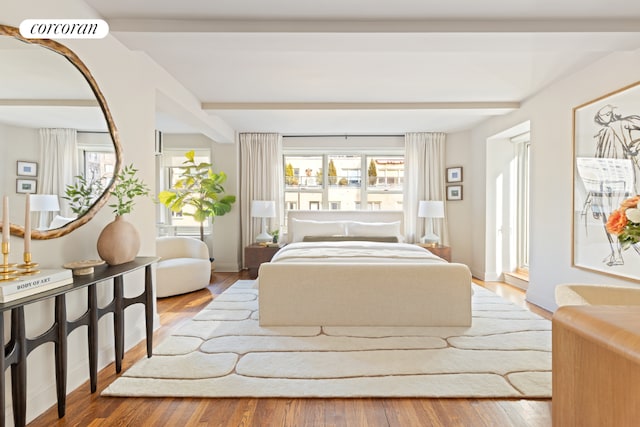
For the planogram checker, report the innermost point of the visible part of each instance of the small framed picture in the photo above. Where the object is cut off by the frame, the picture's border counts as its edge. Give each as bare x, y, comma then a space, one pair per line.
454, 174
26, 185
27, 168
454, 192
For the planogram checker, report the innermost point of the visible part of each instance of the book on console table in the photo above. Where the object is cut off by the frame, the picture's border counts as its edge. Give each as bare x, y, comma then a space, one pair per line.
25, 286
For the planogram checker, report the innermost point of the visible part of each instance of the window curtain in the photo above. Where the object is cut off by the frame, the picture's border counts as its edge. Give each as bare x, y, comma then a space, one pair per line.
424, 179
261, 178
59, 165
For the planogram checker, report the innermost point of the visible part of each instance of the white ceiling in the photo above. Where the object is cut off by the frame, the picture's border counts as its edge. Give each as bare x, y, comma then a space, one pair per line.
367, 66
39, 88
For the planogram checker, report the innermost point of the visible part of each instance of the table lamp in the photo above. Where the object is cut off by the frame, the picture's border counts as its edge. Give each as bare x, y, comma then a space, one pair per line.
430, 209
263, 209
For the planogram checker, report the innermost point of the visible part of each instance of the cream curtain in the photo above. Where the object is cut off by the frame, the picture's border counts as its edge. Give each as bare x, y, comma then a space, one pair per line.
424, 179
261, 178
59, 164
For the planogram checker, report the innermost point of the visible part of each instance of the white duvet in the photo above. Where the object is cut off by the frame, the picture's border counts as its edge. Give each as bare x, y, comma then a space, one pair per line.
355, 252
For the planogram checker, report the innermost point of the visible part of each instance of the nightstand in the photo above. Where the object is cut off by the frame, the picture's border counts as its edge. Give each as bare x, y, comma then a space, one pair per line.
443, 252
256, 254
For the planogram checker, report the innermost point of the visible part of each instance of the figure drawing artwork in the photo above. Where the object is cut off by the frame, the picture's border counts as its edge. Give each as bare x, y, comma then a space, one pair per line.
606, 170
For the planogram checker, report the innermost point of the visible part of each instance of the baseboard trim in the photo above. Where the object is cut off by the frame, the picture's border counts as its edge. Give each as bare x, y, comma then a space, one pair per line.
226, 267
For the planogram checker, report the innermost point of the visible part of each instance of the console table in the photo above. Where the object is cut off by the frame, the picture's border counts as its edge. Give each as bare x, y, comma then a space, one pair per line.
19, 346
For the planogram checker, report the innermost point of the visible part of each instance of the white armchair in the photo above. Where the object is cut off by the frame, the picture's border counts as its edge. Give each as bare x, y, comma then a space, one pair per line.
184, 265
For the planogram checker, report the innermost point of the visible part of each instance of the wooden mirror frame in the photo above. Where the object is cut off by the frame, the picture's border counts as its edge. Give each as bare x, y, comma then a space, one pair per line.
18, 230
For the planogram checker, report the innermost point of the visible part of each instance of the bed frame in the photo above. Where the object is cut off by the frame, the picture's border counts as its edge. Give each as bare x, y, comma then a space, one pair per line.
387, 294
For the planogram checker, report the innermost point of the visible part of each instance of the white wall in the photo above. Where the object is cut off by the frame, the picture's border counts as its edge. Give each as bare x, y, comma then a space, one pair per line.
550, 113
26, 139
461, 231
130, 83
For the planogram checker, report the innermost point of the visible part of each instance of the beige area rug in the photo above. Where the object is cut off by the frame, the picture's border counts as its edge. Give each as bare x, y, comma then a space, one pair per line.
223, 352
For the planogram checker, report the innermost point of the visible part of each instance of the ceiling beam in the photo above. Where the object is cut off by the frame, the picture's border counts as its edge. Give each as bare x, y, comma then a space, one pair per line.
49, 103
373, 26
212, 106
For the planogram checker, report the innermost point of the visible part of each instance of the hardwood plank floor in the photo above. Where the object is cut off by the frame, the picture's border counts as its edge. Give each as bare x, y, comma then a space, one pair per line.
86, 409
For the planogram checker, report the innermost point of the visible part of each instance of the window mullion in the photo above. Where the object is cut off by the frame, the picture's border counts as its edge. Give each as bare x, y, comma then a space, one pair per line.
364, 182
325, 181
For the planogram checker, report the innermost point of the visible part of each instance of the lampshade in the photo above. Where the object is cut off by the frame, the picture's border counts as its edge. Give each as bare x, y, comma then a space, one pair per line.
44, 202
263, 209
431, 209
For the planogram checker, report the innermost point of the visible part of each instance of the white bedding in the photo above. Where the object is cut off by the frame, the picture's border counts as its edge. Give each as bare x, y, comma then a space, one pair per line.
364, 252
360, 282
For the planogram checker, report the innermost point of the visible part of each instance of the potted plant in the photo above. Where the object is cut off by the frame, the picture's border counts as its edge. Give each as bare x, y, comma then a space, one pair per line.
201, 189
83, 193
127, 188
119, 241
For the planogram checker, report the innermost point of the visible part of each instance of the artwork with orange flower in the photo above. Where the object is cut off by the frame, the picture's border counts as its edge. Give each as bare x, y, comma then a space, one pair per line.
625, 222
606, 183
616, 222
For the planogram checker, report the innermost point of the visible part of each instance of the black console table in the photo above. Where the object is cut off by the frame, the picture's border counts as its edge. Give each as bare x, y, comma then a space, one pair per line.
19, 346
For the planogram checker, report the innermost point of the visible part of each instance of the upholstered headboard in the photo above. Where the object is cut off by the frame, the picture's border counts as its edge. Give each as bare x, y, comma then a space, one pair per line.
335, 215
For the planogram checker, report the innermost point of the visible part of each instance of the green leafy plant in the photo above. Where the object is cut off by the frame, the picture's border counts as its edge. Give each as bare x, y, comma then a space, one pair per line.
127, 188
200, 188
83, 193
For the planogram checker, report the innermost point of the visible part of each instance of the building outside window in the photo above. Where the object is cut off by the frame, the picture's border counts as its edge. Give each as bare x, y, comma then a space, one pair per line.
98, 165
343, 181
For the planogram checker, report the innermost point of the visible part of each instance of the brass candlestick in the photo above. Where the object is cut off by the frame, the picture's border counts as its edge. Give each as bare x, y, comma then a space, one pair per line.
6, 271
28, 267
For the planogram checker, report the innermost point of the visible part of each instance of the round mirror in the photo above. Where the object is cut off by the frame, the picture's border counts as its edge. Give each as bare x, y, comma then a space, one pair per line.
49, 97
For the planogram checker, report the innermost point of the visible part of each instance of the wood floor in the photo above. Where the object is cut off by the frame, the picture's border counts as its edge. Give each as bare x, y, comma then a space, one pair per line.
86, 409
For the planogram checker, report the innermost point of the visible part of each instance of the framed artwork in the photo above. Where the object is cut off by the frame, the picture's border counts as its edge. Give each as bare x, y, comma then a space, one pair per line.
26, 185
27, 168
454, 192
606, 140
454, 174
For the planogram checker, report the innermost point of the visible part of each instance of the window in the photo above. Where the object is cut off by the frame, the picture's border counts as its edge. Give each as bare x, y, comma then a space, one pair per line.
343, 181
523, 213
96, 157
98, 164
522, 150
97, 167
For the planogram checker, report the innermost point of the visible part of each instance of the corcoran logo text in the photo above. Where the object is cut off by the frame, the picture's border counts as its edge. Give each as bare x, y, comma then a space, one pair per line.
64, 28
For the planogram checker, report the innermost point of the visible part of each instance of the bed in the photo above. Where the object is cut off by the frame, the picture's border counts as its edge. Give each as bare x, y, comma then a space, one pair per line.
351, 268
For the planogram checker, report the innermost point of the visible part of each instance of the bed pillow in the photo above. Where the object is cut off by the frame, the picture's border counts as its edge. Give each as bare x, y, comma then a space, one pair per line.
59, 221
299, 228
383, 239
374, 229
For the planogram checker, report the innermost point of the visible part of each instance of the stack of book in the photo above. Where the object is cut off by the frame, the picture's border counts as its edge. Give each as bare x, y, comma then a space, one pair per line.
25, 286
